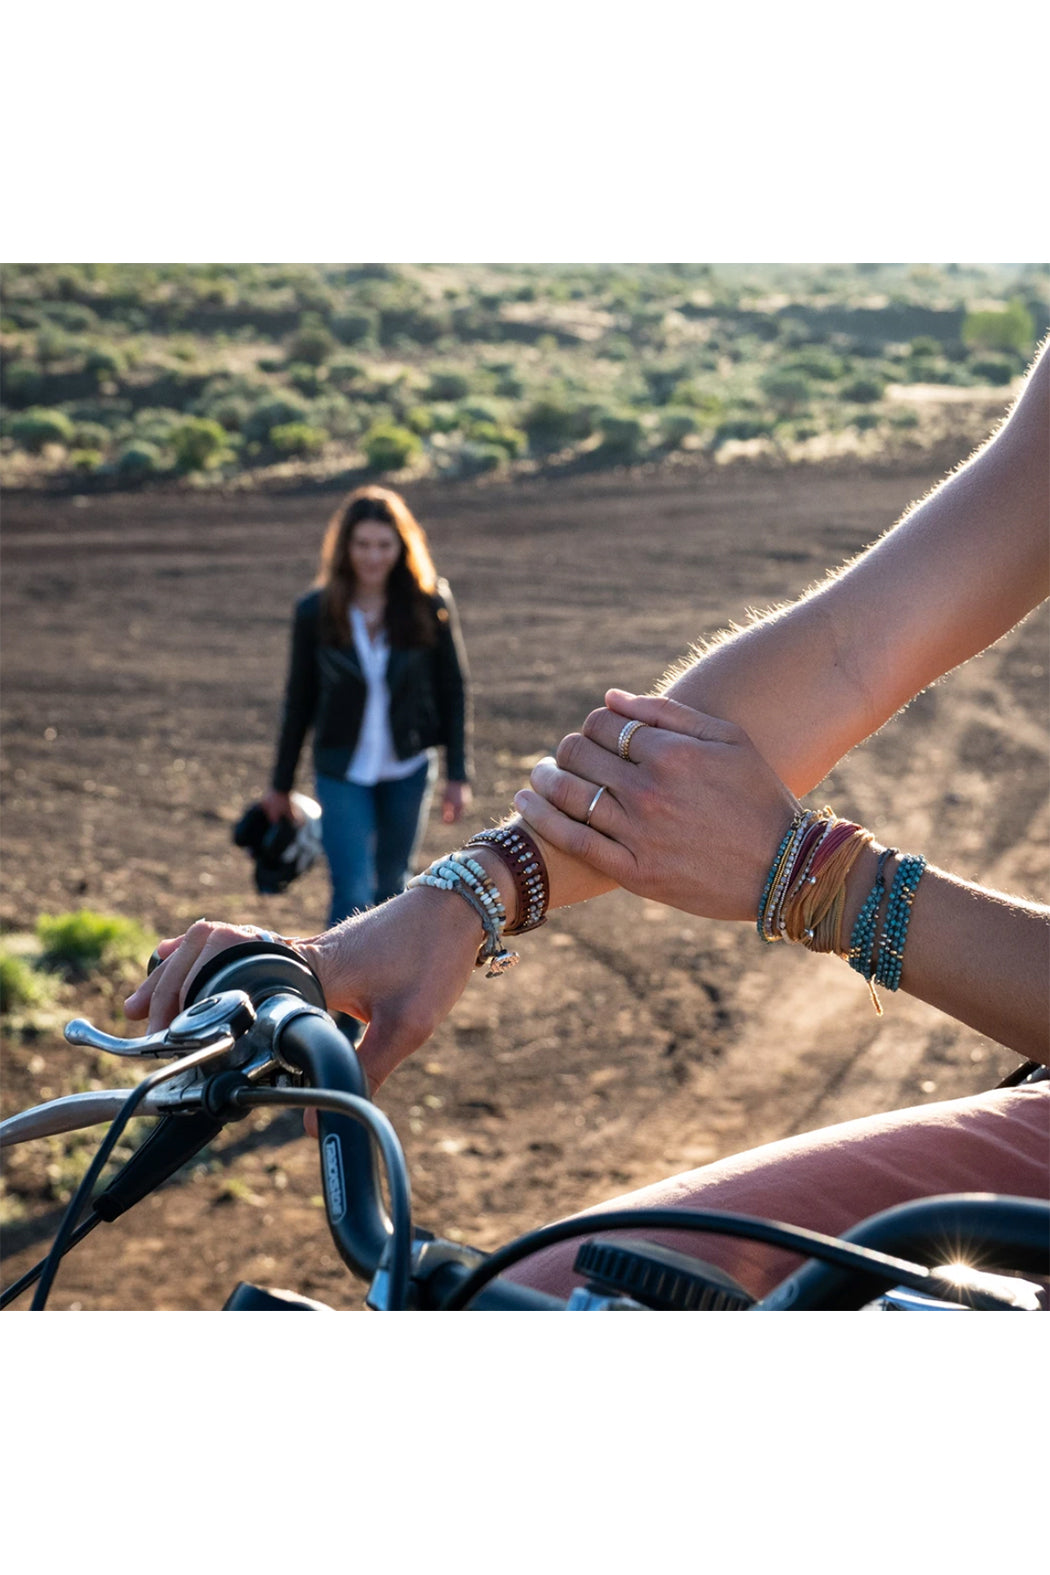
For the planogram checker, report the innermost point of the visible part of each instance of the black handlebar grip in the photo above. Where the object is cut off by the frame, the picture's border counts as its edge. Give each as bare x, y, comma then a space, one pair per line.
357, 1216
1008, 1235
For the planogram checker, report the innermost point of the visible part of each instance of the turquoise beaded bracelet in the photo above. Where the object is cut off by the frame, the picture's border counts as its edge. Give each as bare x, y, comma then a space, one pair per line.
862, 942
898, 914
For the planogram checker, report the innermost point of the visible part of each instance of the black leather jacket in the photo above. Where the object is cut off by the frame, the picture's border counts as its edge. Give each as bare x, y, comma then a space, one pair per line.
428, 688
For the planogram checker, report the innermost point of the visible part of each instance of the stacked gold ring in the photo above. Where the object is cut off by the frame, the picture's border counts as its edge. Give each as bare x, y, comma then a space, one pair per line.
627, 732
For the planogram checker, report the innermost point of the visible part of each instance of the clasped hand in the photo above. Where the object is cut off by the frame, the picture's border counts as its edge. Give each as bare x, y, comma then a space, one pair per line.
692, 818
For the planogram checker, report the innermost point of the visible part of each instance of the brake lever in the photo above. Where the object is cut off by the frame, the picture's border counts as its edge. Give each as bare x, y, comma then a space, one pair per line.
207, 1023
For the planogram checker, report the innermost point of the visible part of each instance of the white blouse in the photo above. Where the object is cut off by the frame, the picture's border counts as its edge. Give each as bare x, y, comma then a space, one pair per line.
374, 758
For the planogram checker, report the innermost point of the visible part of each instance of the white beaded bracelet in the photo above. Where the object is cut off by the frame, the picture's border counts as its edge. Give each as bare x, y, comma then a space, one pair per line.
471, 882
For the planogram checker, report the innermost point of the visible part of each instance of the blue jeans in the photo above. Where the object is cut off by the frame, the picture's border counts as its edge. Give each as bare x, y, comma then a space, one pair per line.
370, 836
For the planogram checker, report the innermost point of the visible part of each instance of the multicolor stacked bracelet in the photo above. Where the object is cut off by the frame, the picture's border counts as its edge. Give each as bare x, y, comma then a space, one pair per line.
898, 914
804, 897
520, 853
805, 891
466, 876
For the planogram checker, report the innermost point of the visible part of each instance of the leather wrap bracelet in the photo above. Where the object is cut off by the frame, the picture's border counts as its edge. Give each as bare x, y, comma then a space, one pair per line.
520, 854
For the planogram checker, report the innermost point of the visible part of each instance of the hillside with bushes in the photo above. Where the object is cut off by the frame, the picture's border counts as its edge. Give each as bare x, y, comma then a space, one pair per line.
245, 376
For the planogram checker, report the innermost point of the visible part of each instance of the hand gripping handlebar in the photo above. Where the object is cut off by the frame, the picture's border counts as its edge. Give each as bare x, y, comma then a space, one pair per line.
287, 997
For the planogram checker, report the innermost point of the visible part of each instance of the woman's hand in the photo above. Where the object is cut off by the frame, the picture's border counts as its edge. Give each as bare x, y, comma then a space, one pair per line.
457, 798
278, 806
692, 818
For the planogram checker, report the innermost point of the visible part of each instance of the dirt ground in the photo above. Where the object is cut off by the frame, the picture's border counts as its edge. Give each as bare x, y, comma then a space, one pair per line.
144, 644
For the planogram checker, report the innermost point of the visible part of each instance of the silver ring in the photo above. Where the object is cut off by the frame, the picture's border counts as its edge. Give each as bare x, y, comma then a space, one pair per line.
627, 732
264, 935
592, 806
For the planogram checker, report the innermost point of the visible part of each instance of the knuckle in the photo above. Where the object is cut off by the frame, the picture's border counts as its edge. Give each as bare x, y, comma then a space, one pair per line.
592, 726
568, 752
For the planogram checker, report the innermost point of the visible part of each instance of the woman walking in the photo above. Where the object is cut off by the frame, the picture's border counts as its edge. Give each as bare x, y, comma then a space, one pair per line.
378, 670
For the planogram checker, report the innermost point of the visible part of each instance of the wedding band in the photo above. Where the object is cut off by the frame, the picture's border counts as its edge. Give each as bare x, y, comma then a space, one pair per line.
592, 806
627, 732
264, 935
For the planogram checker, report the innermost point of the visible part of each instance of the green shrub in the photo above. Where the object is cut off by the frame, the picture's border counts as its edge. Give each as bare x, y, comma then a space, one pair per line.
677, 423
481, 409
296, 437
231, 411
139, 460
156, 425
86, 460
1004, 328
510, 385
345, 370
498, 434
22, 383
308, 380
698, 398
335, 415
552, 421
90, 434
864, 420
906, 416
20, 984
276, 412
995, 369
38, 427
662, 381
815, 362
863, 390
448, 383
443, 417
419, 418
106, 362
53, 345
788, 392
199, 443
82, 941
477, 458
741, 429
356, 327
312, 344
623, 434
927, 369
390, 447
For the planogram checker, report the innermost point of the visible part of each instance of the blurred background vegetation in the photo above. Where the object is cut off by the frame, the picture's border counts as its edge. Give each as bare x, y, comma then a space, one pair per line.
261, 375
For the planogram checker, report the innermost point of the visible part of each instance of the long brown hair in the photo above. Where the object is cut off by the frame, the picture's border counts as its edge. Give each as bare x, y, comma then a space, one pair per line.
409, 618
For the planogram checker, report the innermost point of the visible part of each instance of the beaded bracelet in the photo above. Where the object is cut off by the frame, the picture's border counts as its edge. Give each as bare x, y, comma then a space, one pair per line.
519, 852
469, 880
774, 870
898, 913
862, 941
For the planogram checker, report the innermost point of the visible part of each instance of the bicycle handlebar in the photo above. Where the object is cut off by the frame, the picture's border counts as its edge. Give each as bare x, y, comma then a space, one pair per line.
268, 1009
